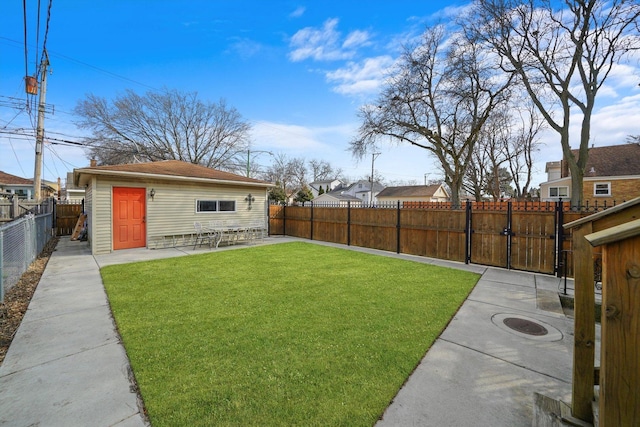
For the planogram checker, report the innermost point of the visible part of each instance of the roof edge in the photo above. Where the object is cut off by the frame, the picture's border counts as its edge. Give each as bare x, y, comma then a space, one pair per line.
90, 171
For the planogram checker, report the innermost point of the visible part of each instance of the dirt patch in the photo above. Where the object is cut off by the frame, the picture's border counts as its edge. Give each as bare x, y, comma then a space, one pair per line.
17, 299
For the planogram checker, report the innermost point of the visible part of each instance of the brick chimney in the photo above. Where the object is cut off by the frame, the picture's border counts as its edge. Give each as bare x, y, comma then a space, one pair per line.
93, 163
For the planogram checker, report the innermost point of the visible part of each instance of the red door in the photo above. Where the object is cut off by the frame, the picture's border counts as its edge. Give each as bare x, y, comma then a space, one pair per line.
129, 229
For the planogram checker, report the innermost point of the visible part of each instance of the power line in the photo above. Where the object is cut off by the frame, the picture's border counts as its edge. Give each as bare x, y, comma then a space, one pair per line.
15, 155
46, 28
53, 53
24, 15
37, 39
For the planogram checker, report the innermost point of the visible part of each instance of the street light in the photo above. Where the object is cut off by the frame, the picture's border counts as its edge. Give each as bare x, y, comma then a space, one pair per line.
249, 159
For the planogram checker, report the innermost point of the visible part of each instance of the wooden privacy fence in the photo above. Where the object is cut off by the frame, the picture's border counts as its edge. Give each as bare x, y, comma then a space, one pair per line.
520, 235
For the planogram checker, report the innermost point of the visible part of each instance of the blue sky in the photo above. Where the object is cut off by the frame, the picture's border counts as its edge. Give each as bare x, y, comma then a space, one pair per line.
297, 71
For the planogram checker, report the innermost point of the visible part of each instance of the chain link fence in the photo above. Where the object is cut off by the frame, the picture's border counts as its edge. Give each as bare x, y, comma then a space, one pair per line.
20, 243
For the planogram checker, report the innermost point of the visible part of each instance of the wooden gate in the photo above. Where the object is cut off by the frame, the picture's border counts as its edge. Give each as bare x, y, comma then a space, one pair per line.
67, 215
532, 241
489, 238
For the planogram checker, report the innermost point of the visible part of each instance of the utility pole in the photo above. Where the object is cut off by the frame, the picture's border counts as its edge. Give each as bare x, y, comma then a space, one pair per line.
373, 159
37, 174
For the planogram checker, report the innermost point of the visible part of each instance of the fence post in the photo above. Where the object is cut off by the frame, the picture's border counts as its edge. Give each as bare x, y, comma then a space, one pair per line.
559, 239
467, 233
54, 211
311, 221
1, 266
398, 230
348, 222
15, 207
284, 219
509, 233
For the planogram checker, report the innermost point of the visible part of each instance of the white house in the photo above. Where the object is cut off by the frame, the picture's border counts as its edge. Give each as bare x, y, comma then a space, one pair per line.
138, 205
361, 191
414, 193
326, 185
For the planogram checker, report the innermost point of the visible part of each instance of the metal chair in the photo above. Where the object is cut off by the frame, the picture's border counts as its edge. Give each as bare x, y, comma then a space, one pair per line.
203, 235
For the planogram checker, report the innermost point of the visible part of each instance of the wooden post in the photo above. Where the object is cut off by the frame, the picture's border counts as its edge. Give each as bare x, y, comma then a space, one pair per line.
398, 226
584, 311
584, 326
619, 361
311, 222
348, 222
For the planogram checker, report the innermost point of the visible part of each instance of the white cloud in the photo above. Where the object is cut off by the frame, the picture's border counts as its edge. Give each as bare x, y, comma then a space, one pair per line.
284, 137
245, 48
323, 44
621, 78
355, 39
358, 78
298, 12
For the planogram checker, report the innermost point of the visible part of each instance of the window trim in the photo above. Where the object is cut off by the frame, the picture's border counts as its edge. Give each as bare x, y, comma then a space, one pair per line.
595, 189
558, 187
217, 209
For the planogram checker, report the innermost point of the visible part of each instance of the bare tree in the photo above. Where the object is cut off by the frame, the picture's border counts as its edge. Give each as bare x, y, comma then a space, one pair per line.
289, 174
438, 99
163, 126
506, 148
483, 175
522, 144
563, 57
322, 170
633, 139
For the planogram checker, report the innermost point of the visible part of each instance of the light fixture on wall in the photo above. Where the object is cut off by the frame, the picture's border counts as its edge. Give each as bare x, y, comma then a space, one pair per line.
249, 199
152, 193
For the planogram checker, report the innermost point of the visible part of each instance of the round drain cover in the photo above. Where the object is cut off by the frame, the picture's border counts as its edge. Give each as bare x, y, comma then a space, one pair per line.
525, 326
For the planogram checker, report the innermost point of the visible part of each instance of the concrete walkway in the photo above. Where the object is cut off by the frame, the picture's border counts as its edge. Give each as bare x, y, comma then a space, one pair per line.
66, 366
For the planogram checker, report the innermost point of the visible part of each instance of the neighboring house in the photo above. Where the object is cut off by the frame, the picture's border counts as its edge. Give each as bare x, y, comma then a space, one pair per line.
72, 193
23, 187
139, 205
612, 174
326, 186
360, 190
336, 199
414, 193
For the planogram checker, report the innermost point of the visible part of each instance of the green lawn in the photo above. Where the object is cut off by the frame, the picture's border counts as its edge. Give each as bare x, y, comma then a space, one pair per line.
287, 334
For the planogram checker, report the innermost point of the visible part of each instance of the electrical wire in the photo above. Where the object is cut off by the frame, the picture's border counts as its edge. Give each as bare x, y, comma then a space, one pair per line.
77, 61
46, 29
37, 41
16, 156
26, 53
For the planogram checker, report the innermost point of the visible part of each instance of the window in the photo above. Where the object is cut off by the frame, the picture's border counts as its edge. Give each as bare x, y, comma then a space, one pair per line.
558, 191
215, 206
602, 189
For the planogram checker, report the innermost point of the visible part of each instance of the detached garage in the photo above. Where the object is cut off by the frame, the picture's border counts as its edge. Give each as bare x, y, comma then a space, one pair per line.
155, 204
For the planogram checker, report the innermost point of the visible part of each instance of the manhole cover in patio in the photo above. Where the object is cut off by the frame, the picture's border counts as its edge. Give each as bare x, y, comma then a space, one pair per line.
525, 326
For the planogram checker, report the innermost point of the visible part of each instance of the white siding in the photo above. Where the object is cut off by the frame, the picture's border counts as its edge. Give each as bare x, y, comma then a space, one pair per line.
172, 211
103, 213
88, 209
